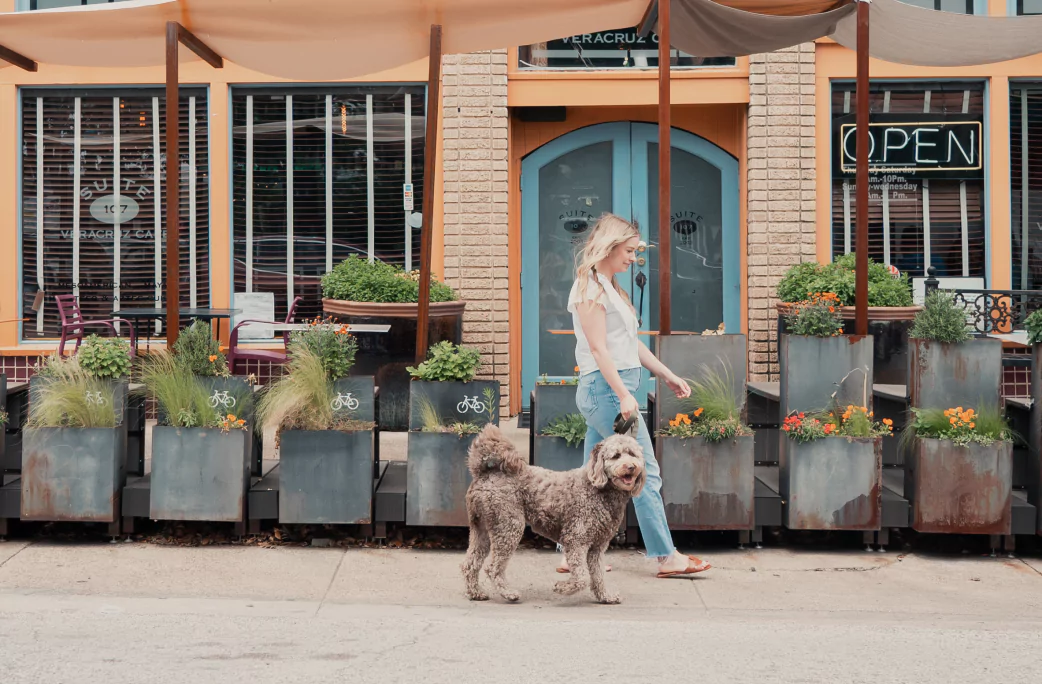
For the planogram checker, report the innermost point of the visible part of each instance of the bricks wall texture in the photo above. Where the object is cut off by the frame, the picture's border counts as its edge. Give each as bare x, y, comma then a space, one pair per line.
474, 122
781, 183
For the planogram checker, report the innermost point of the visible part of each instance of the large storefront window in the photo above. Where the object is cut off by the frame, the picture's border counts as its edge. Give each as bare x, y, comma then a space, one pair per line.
622, 49
1028, 7
93, 164
926, 192
1025, 119
319, 174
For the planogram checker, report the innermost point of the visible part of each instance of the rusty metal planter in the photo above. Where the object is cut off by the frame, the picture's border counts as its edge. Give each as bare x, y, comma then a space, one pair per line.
552, 402
833, 483
960, 489
1035, 434
813, 368
326, 477
199, 474
708, 486
73, 474
437, 479
964, 374
553, 453
685, 355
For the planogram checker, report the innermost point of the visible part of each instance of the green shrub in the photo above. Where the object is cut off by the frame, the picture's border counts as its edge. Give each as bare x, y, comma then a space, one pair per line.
357, 280
817, 317
198, 351
941, 320
802, 280
1033, 324
72, 397
105, 358
961, 427
447, 362
571, 428
332, 344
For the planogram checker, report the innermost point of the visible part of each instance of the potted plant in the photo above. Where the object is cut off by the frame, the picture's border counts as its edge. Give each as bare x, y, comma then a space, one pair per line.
818, 363
200, 354
707, 457
75, 441
200, 454
959, 471
361, 291
324, 428
559, 445
553, 402
447, 408
890, 307
946, 365
831, 469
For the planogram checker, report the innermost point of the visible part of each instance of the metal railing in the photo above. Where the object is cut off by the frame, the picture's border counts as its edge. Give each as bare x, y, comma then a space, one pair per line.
991, 311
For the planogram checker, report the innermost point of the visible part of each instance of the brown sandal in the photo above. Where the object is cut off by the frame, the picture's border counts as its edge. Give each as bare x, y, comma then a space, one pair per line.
701, 566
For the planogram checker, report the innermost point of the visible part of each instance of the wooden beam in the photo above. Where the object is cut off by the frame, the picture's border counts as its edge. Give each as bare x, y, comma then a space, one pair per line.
861, 177
172, 185
190, 41
664, 181
18, 59
430, 169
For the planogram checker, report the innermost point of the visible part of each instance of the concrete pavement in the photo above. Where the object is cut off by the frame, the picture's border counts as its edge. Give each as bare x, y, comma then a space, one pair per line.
141, 613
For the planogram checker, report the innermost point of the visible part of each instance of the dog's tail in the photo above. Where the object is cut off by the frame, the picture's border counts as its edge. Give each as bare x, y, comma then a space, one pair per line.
492, 451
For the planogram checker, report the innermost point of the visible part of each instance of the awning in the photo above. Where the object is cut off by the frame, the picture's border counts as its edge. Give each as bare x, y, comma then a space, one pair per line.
312, 40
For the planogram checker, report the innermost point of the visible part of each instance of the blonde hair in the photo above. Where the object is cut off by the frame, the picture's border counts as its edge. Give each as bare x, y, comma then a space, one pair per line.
609, 232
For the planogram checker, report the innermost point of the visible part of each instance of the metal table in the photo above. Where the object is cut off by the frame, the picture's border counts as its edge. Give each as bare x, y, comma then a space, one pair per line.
158, 314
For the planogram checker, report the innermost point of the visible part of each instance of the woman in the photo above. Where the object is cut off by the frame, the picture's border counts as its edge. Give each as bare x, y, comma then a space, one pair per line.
610, 358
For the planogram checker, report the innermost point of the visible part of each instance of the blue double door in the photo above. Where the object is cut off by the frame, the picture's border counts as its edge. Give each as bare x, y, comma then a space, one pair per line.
567, 184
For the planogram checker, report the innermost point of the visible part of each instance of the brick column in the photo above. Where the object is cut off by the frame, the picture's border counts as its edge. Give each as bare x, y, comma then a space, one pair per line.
782, 181
474, 121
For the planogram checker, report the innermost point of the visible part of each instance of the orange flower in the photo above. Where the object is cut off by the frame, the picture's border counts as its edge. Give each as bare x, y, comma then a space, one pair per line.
698, 412
952, 420
887, 422
973, 425
231, 416
575, 370
213, 357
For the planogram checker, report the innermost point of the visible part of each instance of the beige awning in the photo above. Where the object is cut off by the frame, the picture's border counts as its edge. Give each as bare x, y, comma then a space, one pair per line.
302, 39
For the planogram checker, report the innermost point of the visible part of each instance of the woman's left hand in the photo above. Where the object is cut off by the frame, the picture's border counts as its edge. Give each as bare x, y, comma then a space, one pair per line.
678, 385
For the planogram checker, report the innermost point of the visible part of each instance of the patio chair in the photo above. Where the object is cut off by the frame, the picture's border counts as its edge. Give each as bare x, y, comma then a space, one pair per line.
240, 355
73, 324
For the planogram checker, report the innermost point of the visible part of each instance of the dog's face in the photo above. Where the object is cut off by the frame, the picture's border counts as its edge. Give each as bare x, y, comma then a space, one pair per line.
618, 461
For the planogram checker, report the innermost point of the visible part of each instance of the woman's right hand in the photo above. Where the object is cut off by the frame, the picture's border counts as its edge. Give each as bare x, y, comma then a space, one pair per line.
628, 406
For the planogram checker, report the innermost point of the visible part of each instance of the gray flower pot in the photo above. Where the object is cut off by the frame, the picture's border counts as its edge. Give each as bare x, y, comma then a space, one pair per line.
73, 474
967, 374
437, 479
199, 474
454, 401
234, 395
707, 486
549, 403
553, 453
833, 483
813, 368
960, 489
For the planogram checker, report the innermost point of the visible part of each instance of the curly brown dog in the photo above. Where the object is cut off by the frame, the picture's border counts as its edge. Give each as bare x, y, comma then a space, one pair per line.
580, 509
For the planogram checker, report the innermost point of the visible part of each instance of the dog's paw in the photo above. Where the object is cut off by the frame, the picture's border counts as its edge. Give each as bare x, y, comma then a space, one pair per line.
511, 596
610, 599
478, 596
567, 588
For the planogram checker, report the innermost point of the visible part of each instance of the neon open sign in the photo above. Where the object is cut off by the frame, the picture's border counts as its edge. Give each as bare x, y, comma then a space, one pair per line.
915, 147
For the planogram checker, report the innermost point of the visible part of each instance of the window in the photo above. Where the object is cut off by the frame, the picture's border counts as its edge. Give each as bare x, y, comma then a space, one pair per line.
78, 146
957, 6
927, 204
54, 4
1029, 7
331, 184
1026, 175
623, 49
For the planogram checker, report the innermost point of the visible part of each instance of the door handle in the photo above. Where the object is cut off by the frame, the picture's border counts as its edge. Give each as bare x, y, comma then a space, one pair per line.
641, 281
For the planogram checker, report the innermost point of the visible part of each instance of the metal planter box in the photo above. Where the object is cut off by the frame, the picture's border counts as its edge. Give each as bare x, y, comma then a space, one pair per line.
708, 486
960, 490
963, 374
553, 453
326, 477
437, 479
1035, 433
833, 483
235, 395
73, 474
685, 356
454, 401
813, 368
199, 474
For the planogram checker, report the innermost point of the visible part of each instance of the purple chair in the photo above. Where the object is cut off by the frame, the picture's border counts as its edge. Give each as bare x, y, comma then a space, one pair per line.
237, 354
73, 324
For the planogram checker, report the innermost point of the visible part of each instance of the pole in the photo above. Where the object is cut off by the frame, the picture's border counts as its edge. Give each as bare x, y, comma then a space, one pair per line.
664, 181
430, 158
173, 181
861, 179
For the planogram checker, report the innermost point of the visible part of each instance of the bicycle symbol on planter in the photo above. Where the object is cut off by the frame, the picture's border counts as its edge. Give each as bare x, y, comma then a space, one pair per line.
221, 398
344, 401
470, 404
95, 398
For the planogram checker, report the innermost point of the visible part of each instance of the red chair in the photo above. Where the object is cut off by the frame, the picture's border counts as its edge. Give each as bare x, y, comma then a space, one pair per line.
73, 324
237, 354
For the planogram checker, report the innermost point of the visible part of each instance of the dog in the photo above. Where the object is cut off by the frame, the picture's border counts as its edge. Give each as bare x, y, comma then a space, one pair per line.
579, 509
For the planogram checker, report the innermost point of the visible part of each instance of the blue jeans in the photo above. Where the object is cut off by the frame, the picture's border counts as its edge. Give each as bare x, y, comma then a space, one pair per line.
599, 405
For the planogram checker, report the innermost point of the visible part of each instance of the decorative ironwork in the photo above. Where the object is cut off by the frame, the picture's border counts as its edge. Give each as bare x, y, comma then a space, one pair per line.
998, 311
